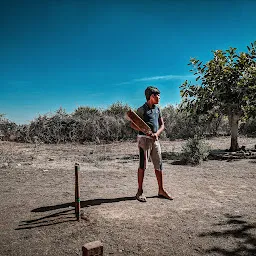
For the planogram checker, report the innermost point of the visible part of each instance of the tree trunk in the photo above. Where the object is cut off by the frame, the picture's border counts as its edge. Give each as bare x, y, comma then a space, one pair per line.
233, 123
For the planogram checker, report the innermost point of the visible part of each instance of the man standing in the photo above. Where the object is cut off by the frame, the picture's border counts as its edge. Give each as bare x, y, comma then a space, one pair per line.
149, 145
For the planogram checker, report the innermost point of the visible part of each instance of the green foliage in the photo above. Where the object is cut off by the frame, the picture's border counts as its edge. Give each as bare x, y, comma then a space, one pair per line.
228, 87
228, 84
248, 128
194, 151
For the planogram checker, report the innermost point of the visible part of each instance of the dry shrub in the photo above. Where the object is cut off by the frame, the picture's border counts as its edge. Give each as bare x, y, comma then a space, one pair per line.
194, 151
85, 124
180, 125
7, 129
99, 125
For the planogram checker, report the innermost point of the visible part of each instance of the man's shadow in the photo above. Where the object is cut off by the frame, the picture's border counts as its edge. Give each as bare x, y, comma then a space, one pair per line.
66, 215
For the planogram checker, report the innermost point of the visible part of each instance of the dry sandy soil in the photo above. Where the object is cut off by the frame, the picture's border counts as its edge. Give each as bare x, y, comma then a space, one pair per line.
213, 211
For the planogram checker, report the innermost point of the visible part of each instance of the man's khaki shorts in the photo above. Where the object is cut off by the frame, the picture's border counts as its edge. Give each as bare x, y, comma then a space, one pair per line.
148, 148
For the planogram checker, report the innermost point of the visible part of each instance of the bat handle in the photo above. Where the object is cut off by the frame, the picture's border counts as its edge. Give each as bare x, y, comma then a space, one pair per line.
149, 133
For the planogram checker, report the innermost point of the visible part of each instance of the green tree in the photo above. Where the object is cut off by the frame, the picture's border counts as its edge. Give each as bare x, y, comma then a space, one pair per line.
228, 87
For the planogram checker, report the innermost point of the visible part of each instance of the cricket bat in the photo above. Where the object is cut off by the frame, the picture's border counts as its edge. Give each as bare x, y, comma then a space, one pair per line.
138, 122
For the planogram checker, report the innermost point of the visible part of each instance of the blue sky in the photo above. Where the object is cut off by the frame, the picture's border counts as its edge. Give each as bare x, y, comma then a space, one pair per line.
71, 53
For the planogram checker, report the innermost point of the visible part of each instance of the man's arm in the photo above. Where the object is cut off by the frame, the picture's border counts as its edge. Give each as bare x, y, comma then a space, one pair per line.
161, 128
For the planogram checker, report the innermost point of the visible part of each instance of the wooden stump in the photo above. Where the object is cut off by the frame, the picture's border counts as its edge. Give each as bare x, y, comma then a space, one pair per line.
77, 192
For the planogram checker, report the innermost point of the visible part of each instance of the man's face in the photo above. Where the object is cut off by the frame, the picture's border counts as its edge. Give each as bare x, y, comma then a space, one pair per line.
155, 98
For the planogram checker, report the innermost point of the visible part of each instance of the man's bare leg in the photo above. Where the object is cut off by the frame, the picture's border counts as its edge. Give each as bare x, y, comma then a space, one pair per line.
139, 194
140, 179
161, 191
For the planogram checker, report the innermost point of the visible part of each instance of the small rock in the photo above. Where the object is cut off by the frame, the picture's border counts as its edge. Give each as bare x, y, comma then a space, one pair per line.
18, 164
45, 170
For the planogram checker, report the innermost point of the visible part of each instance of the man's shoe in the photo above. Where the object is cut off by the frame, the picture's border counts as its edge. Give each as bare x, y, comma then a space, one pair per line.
141, 197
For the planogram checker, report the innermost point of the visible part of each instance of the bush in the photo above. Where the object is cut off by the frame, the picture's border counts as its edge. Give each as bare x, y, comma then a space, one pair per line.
117, 109
85, 124
86, 112
180, 125
7, 129
248, 127
194, 151
105, 125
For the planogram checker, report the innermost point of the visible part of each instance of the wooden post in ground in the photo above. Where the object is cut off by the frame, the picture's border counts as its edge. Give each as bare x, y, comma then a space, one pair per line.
93, 249
77, 192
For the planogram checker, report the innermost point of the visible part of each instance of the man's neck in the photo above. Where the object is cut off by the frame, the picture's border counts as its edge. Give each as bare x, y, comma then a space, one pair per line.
150, 104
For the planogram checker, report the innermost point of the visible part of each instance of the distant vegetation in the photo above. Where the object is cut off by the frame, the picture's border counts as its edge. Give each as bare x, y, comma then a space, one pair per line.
227, 86
87, 124
223, 103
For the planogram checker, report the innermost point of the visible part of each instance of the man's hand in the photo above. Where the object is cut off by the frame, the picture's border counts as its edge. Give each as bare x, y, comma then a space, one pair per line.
154, 136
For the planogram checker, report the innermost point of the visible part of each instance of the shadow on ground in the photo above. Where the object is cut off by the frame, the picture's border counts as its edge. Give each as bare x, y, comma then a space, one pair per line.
83, 204
67, 215
237, 229
49, 220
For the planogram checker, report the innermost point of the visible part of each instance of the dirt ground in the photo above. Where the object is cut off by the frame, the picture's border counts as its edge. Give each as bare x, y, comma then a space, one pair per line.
213, 211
